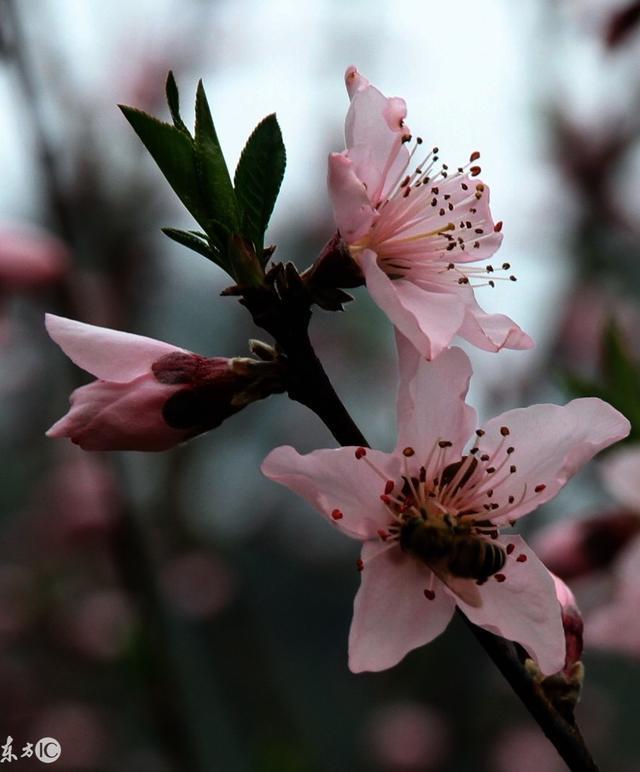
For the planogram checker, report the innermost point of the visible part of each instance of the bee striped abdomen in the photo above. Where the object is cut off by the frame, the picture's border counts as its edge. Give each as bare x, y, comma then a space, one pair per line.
475, 558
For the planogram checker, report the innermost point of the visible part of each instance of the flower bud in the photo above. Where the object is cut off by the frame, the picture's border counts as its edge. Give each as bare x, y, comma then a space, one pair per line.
150, 395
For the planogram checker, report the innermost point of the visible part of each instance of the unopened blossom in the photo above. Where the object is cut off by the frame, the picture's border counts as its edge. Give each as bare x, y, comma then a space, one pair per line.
431, 514
419, 232
30, 257
148, 395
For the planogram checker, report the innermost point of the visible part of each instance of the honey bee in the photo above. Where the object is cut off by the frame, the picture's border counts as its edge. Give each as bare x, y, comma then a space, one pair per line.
451, 549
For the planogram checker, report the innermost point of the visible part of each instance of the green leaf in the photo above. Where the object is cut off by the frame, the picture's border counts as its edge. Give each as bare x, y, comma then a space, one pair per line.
196, 242
173, 100
258, 178
213, 176
174, 153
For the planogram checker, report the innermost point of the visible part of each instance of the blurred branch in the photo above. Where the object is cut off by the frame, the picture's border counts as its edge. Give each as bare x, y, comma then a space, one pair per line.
15, 49
166, 683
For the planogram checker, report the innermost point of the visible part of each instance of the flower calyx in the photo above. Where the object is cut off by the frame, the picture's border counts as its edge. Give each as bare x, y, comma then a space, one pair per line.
333, 270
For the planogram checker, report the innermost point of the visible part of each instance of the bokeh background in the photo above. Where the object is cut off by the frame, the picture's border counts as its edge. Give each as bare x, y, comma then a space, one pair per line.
178, 612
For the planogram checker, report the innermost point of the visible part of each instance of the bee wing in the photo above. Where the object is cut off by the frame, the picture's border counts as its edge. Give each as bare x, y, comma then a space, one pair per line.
465, 589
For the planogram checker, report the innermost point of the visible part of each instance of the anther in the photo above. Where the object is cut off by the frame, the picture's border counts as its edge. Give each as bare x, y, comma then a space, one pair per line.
510, 548
360, 453
511, 499
445, 444
506, 266
491, 469
484, 457
408, 452
499, 577
513, 278
383, 534
504, 431
480, 432
389, 486
337, 514
510, 450
540, 488
429, 594
521, 558
497, 227
359, 564
513, 469
474, 156
385, 499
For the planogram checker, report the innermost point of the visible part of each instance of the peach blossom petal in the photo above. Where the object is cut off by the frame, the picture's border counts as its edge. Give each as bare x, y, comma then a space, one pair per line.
391, 614
429, 320
353, 212
108, 354
431, 401
550, 444
523, 607
343, 488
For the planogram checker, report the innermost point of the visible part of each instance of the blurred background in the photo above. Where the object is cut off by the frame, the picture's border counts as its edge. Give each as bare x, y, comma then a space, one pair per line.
178, 612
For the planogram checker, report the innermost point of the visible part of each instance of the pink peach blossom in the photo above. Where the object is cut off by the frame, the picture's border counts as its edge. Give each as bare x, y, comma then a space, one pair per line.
30, 257
416, 235
149, 395
463, 486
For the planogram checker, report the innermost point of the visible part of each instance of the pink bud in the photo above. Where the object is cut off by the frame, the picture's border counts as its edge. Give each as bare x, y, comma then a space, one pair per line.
149, 395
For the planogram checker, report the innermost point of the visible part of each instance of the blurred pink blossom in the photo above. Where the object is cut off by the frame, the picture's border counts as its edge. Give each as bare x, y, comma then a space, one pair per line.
149, 395
30, 257
78, 503
432, 492
100, 625
572, 548
406, 737
197, 584
416, 235
522, 749
81, 732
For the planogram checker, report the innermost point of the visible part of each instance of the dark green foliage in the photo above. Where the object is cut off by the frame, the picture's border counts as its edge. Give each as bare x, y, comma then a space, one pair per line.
173, 100
258, 178
233, 220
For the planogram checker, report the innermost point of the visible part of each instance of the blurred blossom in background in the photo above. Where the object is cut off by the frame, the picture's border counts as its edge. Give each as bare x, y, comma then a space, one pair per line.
252, 592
